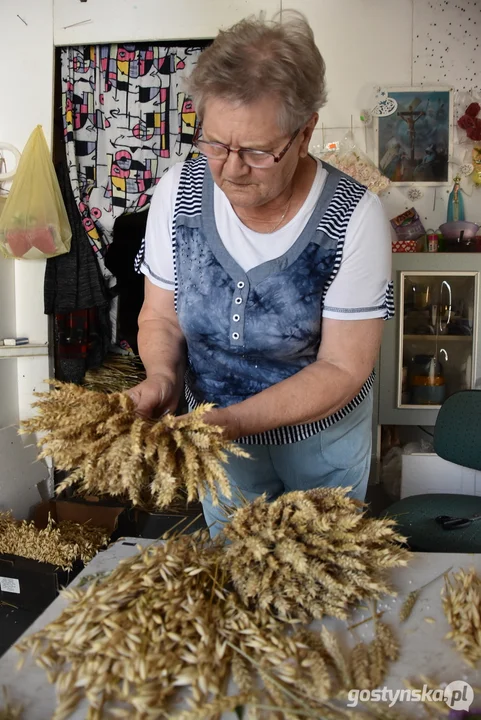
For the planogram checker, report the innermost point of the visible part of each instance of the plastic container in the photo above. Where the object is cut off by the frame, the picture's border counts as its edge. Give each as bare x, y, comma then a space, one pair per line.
452, 230
426, 381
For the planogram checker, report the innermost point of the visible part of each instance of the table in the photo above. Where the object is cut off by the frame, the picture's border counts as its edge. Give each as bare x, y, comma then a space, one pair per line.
424, 651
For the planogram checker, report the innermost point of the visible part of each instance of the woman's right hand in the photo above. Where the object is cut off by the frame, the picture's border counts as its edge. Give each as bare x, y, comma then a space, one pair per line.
156, 395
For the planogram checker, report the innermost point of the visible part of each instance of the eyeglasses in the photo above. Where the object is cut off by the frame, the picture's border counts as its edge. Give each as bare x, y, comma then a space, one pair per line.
251, 157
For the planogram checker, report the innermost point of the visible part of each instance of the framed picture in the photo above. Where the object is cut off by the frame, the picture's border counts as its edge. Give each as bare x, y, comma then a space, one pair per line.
414, 144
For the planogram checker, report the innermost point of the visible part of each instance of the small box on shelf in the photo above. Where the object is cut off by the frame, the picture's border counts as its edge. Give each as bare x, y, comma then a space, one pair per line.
404, 246
12, 342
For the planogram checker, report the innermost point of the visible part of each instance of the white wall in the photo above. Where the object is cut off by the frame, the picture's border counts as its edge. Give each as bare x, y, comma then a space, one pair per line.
26, 92
446, 47
101, 21
366, 43
26, 100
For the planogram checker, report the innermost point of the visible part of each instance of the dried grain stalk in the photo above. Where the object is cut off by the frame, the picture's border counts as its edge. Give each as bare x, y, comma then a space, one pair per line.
310, 554
369, 662
11, 712
110, 450
59, 544
408, 605
462, 607
9, 709
169, 625
116, 374
161, 628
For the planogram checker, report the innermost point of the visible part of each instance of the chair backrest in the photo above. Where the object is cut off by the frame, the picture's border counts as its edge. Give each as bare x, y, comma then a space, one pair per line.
457, 433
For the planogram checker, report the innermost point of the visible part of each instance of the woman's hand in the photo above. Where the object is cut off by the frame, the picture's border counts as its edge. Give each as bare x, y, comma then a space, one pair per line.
156, 395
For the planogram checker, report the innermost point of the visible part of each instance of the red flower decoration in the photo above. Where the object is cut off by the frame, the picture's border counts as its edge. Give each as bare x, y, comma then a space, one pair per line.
473, 109
466, 122
470, 122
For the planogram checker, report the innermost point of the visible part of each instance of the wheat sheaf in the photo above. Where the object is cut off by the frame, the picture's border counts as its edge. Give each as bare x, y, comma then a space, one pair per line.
108, 449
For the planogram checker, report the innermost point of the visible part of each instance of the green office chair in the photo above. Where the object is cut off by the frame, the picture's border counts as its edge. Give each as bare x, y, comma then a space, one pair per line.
457, 438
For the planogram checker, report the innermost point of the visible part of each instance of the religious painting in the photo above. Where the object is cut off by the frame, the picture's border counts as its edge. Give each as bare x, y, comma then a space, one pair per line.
414, 143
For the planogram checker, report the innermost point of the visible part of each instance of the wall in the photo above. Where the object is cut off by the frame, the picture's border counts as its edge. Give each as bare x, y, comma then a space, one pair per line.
407, 43
366, 43
26, 91
101, 21
446, 50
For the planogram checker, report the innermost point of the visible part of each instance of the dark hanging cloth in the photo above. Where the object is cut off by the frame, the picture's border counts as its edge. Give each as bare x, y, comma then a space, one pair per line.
73, 281
128, 234
76, 294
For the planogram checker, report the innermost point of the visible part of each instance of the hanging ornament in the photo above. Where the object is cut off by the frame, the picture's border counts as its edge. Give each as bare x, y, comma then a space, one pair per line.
385, 105
466, 169
414, 194
366, 117
470, 122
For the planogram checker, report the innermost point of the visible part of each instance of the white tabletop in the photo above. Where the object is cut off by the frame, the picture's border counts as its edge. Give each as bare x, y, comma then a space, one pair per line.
424, 651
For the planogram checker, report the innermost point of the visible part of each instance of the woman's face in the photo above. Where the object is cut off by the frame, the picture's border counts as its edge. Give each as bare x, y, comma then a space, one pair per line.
251, 126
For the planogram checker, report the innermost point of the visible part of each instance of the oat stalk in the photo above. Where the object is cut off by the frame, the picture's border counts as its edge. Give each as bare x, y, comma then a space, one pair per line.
462, 607
410, 601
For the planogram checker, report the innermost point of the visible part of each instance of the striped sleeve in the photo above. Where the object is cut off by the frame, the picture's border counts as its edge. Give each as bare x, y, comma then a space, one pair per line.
361, 287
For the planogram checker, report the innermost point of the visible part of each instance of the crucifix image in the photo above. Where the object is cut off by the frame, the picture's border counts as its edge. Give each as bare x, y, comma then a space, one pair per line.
411, 116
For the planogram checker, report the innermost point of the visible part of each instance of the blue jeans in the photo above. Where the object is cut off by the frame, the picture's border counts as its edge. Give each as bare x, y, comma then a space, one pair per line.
337, 457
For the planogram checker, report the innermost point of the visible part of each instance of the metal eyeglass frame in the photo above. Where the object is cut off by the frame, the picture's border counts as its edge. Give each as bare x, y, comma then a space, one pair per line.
277, 158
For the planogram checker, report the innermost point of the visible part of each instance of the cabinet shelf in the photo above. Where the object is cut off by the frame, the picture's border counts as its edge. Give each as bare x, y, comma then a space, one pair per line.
441, 338
16, 351
433, 292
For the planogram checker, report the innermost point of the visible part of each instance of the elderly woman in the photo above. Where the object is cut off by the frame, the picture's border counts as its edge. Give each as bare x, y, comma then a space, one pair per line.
267, 274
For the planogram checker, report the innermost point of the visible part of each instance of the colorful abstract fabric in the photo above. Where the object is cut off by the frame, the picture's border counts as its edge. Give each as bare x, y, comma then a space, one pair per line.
127, 119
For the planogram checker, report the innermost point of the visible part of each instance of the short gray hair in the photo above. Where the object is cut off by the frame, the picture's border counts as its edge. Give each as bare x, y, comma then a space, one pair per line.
256, 58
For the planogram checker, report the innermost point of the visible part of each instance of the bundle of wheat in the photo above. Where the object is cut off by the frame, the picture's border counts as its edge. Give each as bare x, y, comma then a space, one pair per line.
111, 450
59, 544
309, 554
462, 607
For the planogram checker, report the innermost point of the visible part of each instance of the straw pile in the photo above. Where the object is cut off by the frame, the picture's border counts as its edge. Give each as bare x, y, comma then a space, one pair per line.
112, 451
309, 554
462, 607
59, 544
162, 635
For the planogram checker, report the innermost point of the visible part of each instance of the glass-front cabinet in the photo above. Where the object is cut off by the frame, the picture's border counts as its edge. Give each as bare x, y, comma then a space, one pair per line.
430, 350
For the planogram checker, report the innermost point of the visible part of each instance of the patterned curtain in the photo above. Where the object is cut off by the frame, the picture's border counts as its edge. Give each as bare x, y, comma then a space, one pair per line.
127, 119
